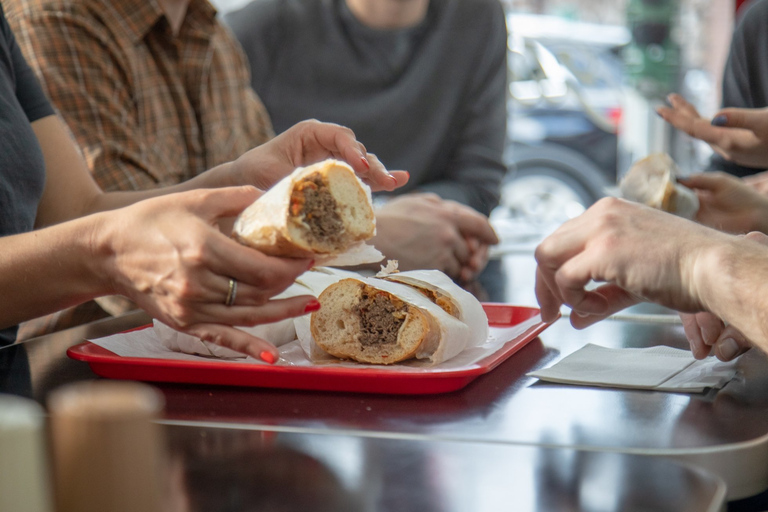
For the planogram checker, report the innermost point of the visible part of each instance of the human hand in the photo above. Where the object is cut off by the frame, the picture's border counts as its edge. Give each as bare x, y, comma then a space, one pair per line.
758, 181
737, 134
306, 143
168, 256
707, 333
423, 231
638, 252
728, 203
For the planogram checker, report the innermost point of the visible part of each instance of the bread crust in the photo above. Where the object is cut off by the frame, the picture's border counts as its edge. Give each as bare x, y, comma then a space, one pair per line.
336, 328
269, 226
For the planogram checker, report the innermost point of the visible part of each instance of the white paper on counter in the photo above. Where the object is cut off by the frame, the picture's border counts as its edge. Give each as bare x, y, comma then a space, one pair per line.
144, 343
658, 368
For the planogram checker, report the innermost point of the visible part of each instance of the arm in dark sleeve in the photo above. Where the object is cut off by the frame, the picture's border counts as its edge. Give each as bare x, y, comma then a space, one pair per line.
476, 168
28, 90
745, 77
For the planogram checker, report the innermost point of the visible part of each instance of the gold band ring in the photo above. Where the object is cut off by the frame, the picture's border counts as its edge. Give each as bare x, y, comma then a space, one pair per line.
232, 293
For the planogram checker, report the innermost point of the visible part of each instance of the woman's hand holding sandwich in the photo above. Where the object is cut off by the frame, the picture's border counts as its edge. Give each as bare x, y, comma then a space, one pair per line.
306, 143
167, 255
728, 204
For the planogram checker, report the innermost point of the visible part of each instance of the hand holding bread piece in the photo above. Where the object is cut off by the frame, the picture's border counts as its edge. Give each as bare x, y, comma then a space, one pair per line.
652, 181
320, 211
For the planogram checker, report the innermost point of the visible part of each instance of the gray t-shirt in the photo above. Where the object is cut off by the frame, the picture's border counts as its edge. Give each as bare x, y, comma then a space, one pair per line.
22, 168
745, 78
428, 99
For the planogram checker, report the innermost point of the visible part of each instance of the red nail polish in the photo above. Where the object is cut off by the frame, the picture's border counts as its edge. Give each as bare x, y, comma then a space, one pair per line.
365, 162
394, 180
267, 357
312, 306
311, 264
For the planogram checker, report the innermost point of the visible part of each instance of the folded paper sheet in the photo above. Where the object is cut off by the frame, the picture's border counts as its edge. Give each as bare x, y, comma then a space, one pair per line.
659, 368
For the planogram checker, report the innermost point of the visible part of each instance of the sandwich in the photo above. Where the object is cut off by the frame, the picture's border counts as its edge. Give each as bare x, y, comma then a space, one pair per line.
653, 181
377, 321
322, 211
441, 290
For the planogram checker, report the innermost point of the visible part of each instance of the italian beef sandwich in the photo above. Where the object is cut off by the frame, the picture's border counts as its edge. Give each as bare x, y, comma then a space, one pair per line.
652, 181
319, 210
375, 321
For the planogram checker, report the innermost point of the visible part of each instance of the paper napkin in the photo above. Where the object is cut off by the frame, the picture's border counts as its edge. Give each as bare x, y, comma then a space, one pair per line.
658, 368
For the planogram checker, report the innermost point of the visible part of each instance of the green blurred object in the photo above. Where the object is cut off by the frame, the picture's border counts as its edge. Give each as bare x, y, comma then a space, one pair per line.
652, 58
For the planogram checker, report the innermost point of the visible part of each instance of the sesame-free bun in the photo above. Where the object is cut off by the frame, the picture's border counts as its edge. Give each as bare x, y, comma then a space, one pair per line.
380, 322
653, 181
319, 210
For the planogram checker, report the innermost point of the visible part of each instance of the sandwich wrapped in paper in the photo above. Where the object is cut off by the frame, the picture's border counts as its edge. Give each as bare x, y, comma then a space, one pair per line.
653, 181
377, 321
278, 333
440, 289
322, 211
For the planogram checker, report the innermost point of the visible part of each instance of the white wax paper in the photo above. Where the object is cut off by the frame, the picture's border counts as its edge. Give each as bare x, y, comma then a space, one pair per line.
145, 344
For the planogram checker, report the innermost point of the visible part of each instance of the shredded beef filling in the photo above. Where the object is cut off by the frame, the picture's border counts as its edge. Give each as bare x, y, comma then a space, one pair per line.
313, 202
380, 318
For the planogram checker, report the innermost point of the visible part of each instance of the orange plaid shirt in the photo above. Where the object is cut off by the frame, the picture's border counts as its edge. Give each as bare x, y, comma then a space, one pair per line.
147, 108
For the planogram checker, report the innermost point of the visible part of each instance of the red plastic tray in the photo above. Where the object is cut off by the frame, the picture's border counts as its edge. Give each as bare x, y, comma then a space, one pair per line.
323, 378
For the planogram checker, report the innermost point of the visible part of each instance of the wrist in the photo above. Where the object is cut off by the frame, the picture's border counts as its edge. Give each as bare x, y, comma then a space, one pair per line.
223, 175
709, 267
760, 217
101, 250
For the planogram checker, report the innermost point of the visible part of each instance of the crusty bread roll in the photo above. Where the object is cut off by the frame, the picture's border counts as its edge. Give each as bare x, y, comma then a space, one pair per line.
454, 300
381, 322
653, 181
322, 209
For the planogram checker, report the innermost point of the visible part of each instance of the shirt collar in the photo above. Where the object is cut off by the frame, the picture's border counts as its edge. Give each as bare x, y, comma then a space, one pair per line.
140, 16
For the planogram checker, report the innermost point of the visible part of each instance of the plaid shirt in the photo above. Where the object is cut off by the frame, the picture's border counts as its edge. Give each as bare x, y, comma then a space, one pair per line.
147, 108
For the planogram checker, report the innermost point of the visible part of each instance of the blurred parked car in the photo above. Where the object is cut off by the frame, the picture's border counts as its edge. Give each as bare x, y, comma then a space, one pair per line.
565, 106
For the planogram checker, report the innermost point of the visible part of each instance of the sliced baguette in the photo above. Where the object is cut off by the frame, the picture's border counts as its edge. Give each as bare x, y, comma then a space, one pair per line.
322, 209
344, 327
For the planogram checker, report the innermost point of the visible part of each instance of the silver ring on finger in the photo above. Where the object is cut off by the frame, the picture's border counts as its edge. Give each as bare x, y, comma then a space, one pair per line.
232, 293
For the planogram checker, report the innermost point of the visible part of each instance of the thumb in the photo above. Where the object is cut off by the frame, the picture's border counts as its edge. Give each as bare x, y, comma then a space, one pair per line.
758, 237
712, 181
752, 119
217, 203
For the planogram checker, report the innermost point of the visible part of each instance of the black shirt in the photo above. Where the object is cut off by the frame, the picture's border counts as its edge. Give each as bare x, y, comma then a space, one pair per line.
745, 78
22, 168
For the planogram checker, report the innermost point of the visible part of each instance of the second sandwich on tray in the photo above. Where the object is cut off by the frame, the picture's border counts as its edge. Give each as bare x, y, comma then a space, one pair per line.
376, 321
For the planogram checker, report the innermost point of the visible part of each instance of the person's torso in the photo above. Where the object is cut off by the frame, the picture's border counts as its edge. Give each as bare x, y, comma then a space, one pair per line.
191, 99
22, 167
391, 87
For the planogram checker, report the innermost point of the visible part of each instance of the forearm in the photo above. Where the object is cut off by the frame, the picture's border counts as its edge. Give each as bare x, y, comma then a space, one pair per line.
731, 280
47, 270
213, 178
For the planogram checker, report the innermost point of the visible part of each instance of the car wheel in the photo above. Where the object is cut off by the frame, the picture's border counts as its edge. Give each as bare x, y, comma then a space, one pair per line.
548, 194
